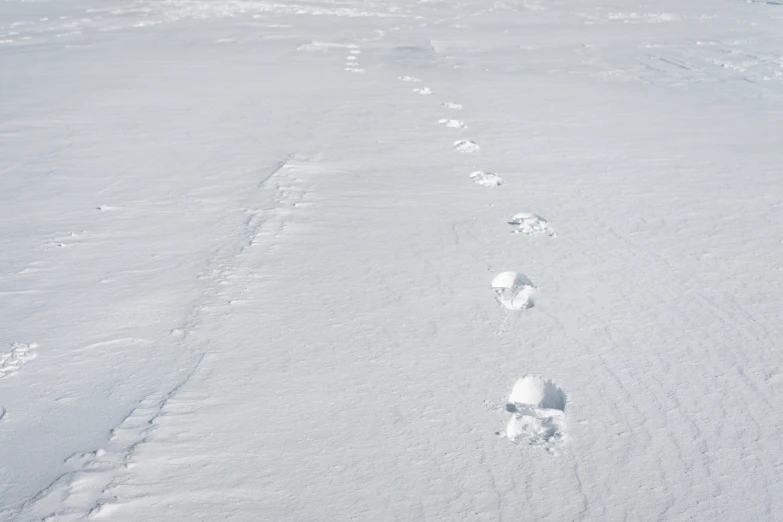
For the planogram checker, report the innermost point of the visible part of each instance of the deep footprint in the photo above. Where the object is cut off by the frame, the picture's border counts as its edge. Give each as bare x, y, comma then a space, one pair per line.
537, 408
514, 291
486, 179
531, 224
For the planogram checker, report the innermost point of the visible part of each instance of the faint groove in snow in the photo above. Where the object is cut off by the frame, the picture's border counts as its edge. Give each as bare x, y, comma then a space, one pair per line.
80, 493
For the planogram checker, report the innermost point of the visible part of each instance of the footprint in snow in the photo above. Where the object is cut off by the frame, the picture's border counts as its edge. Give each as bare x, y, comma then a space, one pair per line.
410, 79
531, 224
514, 291
19, 355
486, 179
466, 146
424, 91
537, 408
453, 106
452, 124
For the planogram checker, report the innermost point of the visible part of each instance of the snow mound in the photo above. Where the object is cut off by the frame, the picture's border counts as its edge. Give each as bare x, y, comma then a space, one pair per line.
466, 146
531, 224
486, 179
423, 90
537, 408
410, 79
452, 105
514, 291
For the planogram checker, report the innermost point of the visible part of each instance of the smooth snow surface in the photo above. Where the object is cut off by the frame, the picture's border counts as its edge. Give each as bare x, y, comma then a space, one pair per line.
246, 275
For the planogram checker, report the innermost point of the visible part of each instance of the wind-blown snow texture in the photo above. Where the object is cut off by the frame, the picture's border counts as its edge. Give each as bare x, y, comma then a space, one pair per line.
247, 249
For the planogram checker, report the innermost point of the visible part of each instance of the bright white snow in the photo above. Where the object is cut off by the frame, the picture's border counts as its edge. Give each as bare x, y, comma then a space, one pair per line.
244, 275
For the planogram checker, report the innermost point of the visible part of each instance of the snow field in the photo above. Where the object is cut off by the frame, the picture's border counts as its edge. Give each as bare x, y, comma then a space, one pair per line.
216, 316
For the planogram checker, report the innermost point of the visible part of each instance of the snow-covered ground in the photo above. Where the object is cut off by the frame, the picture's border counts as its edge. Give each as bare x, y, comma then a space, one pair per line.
391, 260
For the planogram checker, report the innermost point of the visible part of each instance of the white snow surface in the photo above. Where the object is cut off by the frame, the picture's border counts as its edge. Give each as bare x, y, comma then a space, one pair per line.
240, 281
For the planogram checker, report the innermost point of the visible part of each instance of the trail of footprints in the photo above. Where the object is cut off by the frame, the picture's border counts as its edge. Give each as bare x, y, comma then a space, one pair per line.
352, 60
536, 405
